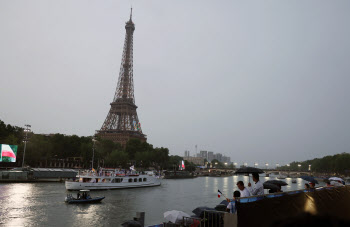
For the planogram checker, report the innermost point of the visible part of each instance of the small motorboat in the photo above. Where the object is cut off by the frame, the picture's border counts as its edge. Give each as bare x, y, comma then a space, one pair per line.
281, 177
294, 181
83, 196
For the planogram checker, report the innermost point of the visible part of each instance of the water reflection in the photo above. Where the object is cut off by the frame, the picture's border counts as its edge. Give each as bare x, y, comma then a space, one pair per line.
16, 204
42, 204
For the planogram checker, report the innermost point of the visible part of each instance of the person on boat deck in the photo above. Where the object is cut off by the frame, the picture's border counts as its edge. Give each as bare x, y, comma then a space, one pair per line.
258, 188
231, 207
78, 195
243, 190
307, 186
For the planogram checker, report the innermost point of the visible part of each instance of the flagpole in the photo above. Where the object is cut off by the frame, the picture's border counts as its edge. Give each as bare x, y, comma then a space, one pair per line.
25, 142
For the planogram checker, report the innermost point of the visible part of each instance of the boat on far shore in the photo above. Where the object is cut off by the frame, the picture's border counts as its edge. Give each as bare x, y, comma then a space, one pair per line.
281, 176
181, 174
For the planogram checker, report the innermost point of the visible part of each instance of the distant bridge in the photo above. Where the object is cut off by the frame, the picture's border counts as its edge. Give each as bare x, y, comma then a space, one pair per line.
267, 171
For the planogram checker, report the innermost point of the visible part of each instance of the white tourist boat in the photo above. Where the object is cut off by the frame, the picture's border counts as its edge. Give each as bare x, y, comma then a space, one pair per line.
94, 181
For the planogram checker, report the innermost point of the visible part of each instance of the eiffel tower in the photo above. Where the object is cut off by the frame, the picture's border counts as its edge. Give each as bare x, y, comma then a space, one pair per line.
122, 122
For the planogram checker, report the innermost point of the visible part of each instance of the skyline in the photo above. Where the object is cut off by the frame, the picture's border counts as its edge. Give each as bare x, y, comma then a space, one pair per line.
253, 81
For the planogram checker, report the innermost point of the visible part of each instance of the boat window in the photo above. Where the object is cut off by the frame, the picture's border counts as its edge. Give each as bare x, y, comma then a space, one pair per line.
113, 181
118, 180
144, 179
135, 179
140, 179
130, 180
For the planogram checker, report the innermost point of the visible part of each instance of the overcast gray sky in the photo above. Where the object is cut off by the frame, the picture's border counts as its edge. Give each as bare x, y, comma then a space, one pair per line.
264, 81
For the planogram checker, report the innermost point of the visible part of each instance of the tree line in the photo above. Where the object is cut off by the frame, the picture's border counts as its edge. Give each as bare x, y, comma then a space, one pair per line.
339, 163
41, 148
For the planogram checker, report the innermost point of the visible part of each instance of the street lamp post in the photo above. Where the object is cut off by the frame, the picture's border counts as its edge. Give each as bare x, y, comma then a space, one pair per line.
27, 129
93, 152
267, 165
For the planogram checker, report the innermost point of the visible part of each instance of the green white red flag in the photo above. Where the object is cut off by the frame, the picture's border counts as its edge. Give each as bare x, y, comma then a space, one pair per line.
8, 153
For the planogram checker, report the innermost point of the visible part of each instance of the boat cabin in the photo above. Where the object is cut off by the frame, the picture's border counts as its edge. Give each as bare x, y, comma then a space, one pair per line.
84, 194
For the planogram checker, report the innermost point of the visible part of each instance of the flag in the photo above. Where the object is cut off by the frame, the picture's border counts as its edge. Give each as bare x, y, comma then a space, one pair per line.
183, 164
8, 153
219, 194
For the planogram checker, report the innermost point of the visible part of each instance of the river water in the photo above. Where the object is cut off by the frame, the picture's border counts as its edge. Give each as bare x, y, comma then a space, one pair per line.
42, 204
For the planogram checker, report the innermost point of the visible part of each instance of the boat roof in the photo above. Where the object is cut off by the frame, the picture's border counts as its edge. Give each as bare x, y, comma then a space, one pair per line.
85, 190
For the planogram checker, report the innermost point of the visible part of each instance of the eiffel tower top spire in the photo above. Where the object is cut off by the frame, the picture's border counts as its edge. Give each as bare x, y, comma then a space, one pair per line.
131, 14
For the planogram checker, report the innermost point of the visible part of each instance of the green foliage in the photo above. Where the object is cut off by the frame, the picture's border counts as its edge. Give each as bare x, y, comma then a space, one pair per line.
118, 159
190, 166
144, 159
107, 153
339, 163
10, 134
174, 162
218, 165
231, 166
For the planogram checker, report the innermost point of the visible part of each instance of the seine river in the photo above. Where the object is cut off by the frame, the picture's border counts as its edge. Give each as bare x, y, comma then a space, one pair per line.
42, 204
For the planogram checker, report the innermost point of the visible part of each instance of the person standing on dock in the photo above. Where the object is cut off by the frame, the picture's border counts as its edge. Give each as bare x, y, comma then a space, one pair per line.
258, 188
244, 191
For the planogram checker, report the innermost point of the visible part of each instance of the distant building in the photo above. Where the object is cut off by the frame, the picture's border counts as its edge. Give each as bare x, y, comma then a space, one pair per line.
226, 159
196, 160
187, 154
204, 154
218, 157
210, 156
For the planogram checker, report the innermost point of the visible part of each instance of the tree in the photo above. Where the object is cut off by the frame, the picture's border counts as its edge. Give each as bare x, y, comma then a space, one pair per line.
174, 162
118, 158
190, 166
218, 165
133, 146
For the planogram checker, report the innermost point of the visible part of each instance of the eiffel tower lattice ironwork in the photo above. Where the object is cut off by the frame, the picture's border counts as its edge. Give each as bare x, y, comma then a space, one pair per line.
122, 122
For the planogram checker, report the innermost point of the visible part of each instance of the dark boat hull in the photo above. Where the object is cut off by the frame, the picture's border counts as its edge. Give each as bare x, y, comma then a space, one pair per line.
94, 200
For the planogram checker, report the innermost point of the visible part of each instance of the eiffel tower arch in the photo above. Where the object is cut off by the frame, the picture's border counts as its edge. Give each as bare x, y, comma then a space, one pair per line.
122, 123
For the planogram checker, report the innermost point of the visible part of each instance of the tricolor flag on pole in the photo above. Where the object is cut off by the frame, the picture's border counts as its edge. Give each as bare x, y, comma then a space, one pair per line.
183, 164
219, 194
8, 153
